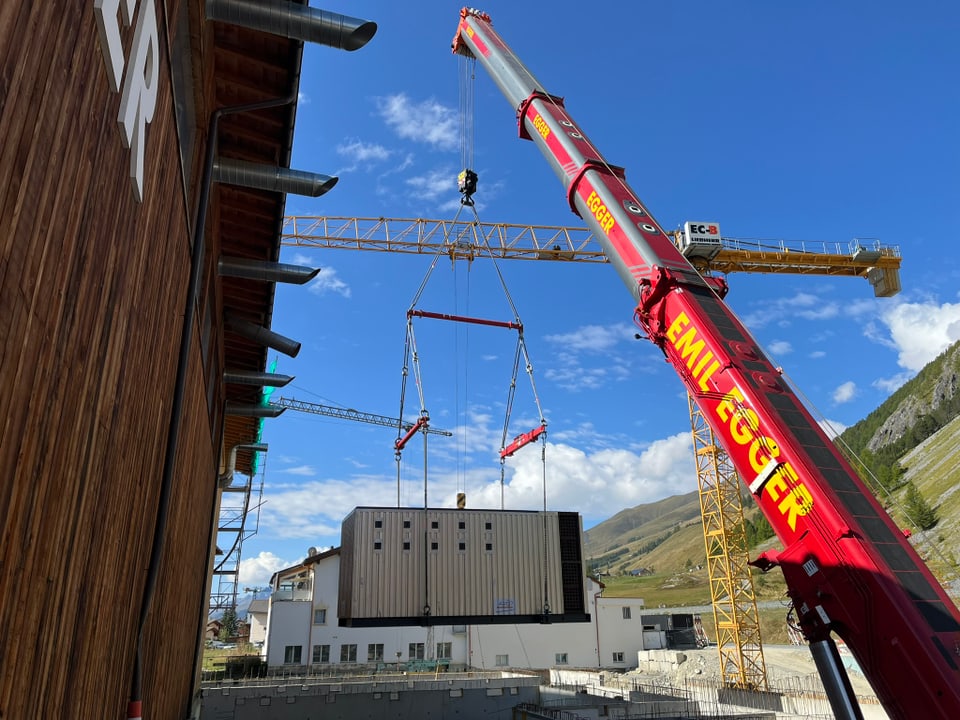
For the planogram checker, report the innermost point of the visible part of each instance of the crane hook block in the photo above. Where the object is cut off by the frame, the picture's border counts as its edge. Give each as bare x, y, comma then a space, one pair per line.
467, 185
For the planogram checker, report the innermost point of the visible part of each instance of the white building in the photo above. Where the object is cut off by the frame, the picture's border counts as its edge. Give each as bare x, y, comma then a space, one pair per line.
303, 630
257, 618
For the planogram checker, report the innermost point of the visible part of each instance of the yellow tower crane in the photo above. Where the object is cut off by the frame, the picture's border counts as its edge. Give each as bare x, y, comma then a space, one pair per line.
731, 585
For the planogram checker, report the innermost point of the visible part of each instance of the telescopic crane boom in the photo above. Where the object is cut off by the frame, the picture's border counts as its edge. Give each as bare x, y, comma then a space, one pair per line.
849, 570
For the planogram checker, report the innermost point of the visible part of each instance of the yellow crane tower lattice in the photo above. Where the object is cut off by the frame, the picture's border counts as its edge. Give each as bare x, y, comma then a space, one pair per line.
731, 585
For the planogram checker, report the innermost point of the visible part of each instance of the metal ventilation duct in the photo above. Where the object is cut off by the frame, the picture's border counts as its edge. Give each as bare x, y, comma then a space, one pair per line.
271, 177
294, 21
226, 478
248, 410
252, 377
268, 271
263, 336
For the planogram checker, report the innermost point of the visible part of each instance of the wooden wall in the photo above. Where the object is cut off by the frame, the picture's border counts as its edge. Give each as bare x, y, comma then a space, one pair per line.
92, 287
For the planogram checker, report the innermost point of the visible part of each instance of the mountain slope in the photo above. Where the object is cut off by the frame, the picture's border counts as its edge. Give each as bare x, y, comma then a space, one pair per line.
917, 429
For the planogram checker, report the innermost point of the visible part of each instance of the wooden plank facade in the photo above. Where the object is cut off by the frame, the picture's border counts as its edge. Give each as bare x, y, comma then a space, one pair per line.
93, 284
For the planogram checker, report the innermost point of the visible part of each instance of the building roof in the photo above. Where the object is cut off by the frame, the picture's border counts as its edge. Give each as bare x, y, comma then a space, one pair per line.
307, 562
250, 66
258, 606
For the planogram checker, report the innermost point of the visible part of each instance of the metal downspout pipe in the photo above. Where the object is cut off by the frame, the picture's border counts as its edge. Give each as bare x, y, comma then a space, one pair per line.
224, 480
134, 707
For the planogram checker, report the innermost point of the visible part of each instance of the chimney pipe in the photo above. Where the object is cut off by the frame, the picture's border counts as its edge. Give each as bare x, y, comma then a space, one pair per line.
267, 271
272, 178
263, 336
294, 21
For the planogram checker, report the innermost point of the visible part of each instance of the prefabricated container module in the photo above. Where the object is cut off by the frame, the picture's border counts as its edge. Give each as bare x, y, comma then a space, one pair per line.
431, 566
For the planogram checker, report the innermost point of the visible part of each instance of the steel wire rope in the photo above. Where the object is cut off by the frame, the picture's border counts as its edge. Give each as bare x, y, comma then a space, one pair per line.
521, 351
461, 455
467, 67
410, 350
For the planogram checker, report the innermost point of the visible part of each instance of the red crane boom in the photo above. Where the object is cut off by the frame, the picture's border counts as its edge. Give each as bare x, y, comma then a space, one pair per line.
849, 570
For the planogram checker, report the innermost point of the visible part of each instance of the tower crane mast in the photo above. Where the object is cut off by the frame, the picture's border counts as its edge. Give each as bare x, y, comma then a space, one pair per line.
849, 570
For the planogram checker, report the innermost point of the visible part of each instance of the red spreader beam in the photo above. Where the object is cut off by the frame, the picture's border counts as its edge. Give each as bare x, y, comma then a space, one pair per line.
421, 422
522, 439
464, 319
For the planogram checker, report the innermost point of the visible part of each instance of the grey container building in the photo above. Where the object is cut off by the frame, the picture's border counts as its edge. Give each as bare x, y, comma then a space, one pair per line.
430, 566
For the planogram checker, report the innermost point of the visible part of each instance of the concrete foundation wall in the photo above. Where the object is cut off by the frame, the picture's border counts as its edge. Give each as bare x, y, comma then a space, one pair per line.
400, 700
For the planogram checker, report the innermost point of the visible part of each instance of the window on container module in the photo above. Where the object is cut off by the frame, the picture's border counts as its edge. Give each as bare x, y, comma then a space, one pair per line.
378, 523
416, 651
503, 660
626, 613
488, 526
321, 653
406, 524
489, 547
320, 616
461, 525
560, 659
435, 525
377, 545
434, 546
406, 544
348, 653
444, 650
292, 654
462, 546
618, 657
375, 652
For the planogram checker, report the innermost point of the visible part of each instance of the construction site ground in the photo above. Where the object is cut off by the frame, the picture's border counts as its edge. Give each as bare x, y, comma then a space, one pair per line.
790, 672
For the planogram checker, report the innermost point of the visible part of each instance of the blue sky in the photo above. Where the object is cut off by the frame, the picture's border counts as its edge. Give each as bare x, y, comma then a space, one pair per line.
801, 121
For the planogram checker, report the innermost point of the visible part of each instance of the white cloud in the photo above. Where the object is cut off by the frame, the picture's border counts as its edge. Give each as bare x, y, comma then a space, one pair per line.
328, 282
816, 354
567, 367
257, 570
593, 338
359, 151
891, 384
921, 331
303, 98
824, 311
803, 305
302, 470
437, 182
845, 392
428, 121
832, 427
571, 375
313, 510
780, 347
598, 484
586, 472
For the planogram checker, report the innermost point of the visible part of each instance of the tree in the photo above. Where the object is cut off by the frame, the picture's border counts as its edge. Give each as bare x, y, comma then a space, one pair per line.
229, 624
918, 510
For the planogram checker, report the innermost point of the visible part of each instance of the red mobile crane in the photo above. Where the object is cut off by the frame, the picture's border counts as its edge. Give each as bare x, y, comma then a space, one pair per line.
849, 570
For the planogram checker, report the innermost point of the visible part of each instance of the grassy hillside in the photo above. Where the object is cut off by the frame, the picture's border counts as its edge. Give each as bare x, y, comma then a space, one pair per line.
934, 468
637, 526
